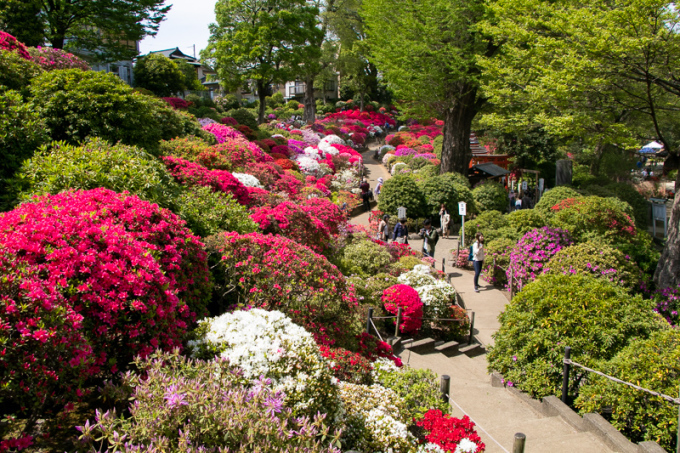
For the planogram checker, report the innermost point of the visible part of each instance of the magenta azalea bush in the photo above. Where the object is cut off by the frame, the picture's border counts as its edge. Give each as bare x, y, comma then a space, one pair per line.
532, 253
222, 132
89, 280
668, 304
51, 59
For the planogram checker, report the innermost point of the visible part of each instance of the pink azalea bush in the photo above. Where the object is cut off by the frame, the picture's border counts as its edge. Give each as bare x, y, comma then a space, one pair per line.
222, 132
293, 221
193, 174
328, 213
91, 279
532, 253
51, 59
11, 44
406, 298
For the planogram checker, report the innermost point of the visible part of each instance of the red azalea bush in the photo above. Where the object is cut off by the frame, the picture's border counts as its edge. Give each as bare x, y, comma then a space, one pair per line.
277, 273
448, 432
406, 298
278, 156
262, 145
248, 132
270, 143
348, 366
286, 164
192, 174
373, 348
327, 212
229, 121
11, 44
236, 152
289, 184
294, 222
91, 279
267, 174
281, 149
584, 217
177, 103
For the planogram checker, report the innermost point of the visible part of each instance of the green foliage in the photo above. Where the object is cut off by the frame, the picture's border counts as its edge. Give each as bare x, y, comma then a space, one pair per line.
15, 71
595, 318
97, 163
77, 104
159, 74
243, 116
372, 288
642, 251
588, 217
190, 76
447, 189
491, 196
419, 389
498, 251
597, 259
595, 190
21, 132
554, 196
456, 177
626, 192
206, 112
652, 363
409, 262
488, 223
187, 148
207, 212
525, 220
364, 258
227, 102
402, 190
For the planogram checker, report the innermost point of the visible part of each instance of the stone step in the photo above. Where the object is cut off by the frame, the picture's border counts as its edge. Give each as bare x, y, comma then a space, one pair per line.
421, 346
395, 342
471, 350
448, 349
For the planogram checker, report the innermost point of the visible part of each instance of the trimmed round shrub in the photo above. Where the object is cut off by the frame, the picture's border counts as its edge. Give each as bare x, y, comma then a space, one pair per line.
402, 191
595, 217
207, 212
78, 104
50, 59
364, 258
458, 179
443, 190
268, 345
159, 74
592, 316
276, 273
532, 253
488, 223
597, 259
243, 116
406, 298
553, 196
17, 72
626, 192
652, 363
525, 220
92, 278
97, 163
491, 196
498, 252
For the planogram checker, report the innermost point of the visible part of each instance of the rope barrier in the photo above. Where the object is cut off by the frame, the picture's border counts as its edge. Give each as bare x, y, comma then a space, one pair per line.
612, 378
478, 425
376, 329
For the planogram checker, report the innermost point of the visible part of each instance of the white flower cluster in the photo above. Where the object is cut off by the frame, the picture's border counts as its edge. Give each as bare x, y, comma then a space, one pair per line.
383, 365
466, 446
308, 165
375, 419
436, 295
430, 448
346, 180
268, 344
248, 180
312, 152
326, 144
396, 167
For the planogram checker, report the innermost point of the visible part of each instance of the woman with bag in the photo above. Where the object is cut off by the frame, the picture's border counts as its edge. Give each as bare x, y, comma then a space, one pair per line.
401, 232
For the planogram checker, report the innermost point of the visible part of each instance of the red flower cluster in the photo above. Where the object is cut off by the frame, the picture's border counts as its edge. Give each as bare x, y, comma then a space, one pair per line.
10, 43
177, 103
288, 183
367, 118
92, 278
293, 221
447, 431
327, 212
229, 121
192, 174
406, 298
348, 366
372, 348
20, 443
236, 152
282, 150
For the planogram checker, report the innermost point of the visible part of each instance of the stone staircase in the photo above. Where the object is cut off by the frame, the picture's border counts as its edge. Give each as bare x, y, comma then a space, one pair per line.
428, 345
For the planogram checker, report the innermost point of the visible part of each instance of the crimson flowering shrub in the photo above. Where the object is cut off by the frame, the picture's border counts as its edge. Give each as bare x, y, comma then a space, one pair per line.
281, 149
10, 43
177, 103
286, 164
406, 298
348, 366
293, 221
192, 174
236, 152
267, 174
229, 121
373, 349
327, 212
288, 183
276, 273
533, 251
450, 432
91, 279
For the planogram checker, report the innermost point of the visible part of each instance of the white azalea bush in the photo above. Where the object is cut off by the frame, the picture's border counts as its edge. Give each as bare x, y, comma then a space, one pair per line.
374, 419
346, 180
326, 144
267, 344
436, 295
308, 165
248, 180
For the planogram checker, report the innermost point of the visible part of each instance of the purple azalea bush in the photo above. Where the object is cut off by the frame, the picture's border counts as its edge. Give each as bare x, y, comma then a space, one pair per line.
668, 303
532, 253
405, 152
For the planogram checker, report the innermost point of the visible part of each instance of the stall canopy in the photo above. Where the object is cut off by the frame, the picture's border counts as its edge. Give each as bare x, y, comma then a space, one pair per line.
651, 148
480, 172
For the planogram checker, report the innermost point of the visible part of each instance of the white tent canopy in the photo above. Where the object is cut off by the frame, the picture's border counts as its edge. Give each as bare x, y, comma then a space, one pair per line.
653, 145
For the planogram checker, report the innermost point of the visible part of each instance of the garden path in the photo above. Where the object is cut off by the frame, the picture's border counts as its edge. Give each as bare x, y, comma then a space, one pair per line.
498, 413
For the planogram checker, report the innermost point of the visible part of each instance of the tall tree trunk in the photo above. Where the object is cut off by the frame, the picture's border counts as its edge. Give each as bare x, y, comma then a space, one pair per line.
361, 102
600, 150
668, 270
310, 106
456, 153
262, 94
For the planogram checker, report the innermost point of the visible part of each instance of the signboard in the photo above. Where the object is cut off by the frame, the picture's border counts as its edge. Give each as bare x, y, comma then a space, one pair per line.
462, 208
524, 185
541, 183
401, 213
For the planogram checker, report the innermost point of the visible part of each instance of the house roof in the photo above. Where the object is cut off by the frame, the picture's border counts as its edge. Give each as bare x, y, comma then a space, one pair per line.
490, 169
176, 54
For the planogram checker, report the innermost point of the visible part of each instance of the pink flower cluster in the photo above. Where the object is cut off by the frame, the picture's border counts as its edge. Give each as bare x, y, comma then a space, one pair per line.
295, 222
177, 103
532, 253
406, 298
11, 44
222, 132
50, 59
404, 151
93, 278
366, 118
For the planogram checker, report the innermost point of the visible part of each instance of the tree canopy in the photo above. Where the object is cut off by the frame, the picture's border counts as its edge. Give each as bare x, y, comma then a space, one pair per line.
160, 75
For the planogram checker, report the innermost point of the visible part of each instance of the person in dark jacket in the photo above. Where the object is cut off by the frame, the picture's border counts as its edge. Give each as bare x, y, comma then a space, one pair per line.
366, 194
401, 232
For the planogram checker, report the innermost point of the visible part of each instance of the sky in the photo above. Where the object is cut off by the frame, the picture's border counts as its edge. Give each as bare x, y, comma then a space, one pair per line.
185, 25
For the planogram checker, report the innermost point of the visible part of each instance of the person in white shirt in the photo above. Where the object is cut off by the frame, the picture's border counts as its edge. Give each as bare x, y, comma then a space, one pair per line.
478, 257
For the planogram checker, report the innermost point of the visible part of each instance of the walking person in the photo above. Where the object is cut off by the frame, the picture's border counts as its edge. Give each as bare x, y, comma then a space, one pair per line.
430, 238
401, 232
384, 228
478, 257
444, 218
366, 194
378, 188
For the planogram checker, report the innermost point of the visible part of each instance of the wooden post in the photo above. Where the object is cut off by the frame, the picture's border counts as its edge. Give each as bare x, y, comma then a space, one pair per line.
368, 320
472, 327
565, 375
518, 446
443, 264
396, 329
444, 387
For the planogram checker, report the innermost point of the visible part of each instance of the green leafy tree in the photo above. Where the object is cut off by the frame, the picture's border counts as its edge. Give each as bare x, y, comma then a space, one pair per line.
399, 191
160, 75
427, 52
107, 29
190, 74
265, 41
